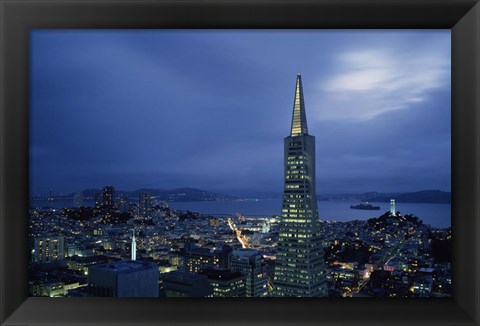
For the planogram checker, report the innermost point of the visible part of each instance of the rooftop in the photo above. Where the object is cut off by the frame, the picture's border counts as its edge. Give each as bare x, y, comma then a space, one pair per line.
221, 275
180, 276
125, 266
245, 252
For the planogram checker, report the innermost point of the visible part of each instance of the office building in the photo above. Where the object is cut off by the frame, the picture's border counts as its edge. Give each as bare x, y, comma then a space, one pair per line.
108, 198
54, 289
98, 200
123, 204
81, 264
250, 263
197, 259
300, 267
226, 284
48, 249
182, 284
124, 279
145, 205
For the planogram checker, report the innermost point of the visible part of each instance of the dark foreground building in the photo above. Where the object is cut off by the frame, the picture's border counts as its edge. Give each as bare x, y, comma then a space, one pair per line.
226, 284
300, 267
183, 284
123, 279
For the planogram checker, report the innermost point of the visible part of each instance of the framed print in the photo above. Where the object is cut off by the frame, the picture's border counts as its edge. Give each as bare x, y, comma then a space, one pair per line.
79, 108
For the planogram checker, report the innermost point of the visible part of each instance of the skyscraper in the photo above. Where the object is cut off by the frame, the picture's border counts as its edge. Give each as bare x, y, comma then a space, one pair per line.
300, 266
145, 205
123, 204
249, 262
98, 200
108, 197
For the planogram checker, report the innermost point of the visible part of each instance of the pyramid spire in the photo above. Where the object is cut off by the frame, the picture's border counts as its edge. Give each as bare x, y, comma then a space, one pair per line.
300, 265
299, 118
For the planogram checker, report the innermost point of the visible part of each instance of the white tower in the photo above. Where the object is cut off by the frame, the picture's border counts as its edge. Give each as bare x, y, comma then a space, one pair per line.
134, 247
392, 207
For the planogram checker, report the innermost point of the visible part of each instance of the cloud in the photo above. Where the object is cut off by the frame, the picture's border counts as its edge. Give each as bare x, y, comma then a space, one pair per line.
369, 82
141, 108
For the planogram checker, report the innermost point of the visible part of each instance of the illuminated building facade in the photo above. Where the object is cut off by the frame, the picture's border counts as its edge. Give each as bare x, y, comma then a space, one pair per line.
81, 264
249, 262
108, 197
48, 249
300, 267
145, 205
197, 259
226, 284
123, 204
98, 200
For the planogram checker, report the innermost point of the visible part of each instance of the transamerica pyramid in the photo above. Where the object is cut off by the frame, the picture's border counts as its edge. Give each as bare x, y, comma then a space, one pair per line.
300, 266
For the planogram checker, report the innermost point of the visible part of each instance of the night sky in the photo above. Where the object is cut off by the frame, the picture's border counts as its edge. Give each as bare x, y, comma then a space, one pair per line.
209, 109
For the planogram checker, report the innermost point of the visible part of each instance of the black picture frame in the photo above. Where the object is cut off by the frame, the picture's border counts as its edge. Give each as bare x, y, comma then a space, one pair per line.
19, 17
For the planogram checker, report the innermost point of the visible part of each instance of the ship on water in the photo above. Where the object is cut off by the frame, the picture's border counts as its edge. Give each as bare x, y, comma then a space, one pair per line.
365, 206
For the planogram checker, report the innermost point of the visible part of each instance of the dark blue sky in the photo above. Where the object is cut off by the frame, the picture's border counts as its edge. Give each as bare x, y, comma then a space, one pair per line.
209, 109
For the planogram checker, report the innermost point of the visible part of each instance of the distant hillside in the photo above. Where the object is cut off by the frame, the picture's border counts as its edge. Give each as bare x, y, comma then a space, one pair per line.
193, 194
180, 194
423, 196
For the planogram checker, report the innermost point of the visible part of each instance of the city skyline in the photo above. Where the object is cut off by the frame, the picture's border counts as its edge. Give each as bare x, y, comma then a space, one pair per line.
141, 110
125, 248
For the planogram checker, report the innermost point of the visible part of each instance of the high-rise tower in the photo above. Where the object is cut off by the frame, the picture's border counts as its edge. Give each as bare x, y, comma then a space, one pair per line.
108, 197
145, 205
300, 266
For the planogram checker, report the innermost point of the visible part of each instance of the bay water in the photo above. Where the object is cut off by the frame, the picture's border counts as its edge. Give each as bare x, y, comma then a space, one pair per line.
436, 215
